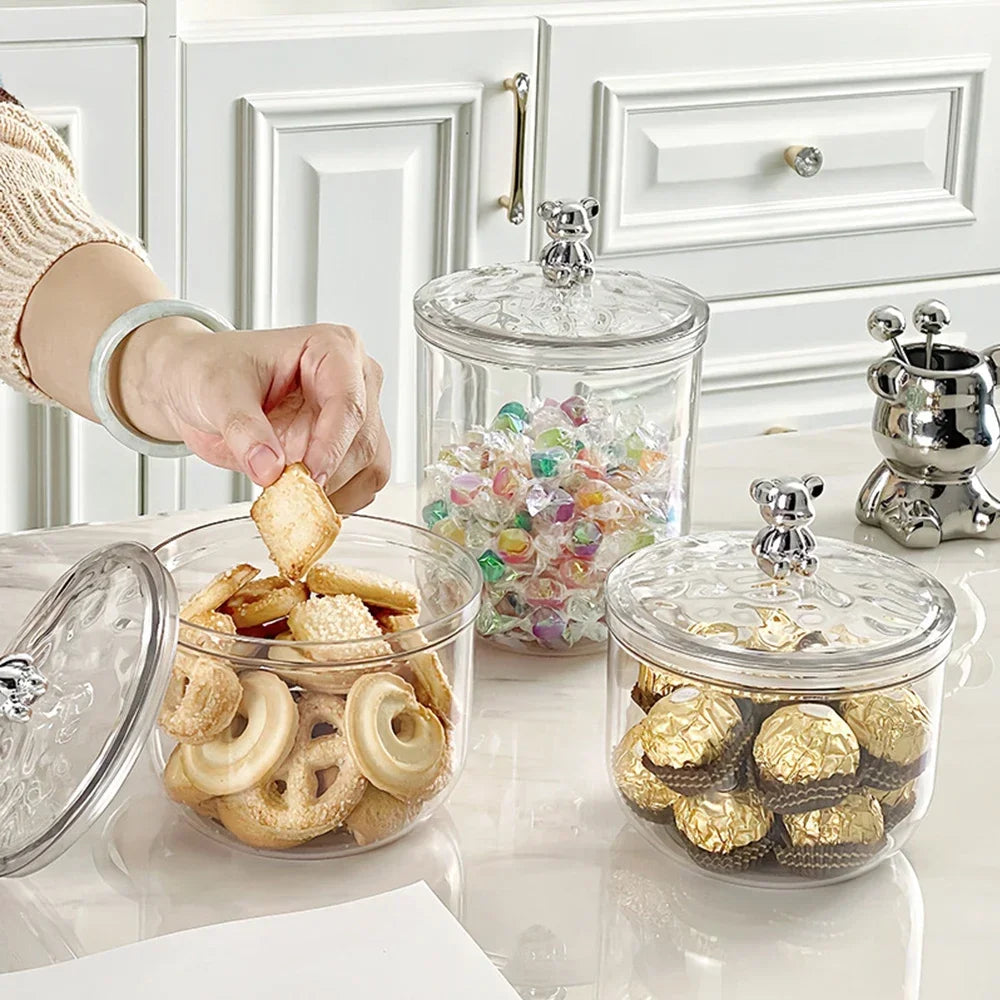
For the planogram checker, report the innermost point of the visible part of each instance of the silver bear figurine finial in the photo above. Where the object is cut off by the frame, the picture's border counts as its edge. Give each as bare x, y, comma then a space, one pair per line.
568, 259
21, 685
786, 545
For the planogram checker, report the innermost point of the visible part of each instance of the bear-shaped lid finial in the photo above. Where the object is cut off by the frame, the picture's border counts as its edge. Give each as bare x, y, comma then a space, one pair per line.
568, 259
20, 686
786, 545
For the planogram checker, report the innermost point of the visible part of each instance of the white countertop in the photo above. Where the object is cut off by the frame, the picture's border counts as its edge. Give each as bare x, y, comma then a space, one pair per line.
532, 853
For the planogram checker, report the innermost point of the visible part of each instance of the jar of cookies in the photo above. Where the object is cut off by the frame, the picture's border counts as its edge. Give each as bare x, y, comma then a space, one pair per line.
557, 404
308, 690
773, 699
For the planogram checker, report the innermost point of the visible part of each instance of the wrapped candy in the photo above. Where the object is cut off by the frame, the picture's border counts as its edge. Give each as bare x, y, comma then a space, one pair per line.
549, 496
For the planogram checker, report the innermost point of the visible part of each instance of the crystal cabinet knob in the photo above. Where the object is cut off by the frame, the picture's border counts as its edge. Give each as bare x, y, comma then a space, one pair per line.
806, 161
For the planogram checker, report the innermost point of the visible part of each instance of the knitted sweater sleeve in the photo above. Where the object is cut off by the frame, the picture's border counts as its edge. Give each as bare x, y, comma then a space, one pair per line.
43, 215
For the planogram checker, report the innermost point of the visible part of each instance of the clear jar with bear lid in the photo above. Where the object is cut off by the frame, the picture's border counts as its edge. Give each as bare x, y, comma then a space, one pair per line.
557, 408
773, 700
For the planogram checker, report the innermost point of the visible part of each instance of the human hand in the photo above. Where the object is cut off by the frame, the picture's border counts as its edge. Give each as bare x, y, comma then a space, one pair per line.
256, 401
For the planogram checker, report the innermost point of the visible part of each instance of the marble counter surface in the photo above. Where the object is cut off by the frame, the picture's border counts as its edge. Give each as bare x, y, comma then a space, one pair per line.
532, 853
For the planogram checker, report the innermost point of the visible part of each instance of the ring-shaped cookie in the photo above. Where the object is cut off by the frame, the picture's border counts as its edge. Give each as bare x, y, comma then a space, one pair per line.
312, 793
180, 789
398, 743
201, 700
237, 760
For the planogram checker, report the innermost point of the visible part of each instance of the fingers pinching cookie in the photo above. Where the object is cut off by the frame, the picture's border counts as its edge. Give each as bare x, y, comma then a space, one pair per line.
246, 755
296, 521
201, 700
398, 743
312, 793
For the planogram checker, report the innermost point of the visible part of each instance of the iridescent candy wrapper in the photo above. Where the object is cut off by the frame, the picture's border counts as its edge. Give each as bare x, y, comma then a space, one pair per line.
725, 831
805, 758
823, 842
894, 730
643, 792
896, 804
697, 739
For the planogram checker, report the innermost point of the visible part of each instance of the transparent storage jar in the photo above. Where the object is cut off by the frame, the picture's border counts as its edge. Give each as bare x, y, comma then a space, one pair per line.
557, 417
83, 682
774, 732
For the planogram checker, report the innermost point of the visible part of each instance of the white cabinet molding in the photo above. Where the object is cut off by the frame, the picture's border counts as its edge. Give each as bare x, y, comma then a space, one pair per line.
689, 161
453, 112
45, 21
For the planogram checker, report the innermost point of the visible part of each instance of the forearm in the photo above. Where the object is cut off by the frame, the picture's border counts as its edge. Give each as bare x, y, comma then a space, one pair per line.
65, 315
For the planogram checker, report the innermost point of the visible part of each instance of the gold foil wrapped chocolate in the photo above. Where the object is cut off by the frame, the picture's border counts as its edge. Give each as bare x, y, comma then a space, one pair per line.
637, 784
893, 725
805, 742
721, 822
856, 820
690, 727
895, 796
777, 632
654, 682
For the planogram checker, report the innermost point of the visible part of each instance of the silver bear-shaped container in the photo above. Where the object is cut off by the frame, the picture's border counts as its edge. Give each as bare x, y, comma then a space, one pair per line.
568, 259
786, 545
937, 426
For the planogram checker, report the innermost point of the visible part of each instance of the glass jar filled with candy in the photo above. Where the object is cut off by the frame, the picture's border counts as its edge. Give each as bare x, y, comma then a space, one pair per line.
774, 701
557, 407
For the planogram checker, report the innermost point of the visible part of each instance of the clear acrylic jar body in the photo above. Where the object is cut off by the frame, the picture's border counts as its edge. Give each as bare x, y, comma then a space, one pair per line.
774, 733
887, 815
317, 722
549, 459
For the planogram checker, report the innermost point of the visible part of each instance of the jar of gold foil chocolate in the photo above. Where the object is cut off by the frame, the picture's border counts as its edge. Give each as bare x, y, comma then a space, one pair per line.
774, 699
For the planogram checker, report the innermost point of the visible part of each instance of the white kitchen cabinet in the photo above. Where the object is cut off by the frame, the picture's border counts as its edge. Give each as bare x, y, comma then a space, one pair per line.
58, 468
327, 175
678, 119
679, 123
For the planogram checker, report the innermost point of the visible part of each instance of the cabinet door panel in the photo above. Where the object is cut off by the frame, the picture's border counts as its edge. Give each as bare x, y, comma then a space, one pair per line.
89, 93
361, 166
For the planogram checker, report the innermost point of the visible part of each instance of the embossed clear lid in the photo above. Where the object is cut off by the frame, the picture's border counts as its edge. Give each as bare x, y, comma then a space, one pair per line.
561, 312
719, 607
80, 688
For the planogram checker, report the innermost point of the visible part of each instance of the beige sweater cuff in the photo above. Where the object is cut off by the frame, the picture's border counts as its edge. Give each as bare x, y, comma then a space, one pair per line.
43, 215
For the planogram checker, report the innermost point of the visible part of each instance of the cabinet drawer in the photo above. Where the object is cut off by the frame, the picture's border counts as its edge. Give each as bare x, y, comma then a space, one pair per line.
693, 168
687, 116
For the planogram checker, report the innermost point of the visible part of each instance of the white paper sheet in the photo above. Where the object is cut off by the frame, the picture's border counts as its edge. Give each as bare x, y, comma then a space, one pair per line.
402, 945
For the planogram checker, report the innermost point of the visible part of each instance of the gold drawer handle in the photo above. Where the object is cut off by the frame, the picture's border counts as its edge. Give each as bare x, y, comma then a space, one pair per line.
806, 161
518, 85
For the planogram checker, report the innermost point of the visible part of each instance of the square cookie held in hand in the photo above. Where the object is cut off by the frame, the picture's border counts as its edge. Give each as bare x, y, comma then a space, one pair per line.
296, 521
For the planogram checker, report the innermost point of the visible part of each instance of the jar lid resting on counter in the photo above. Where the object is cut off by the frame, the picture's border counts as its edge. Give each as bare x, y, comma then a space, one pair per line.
713, 608
80, 686
561, 312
